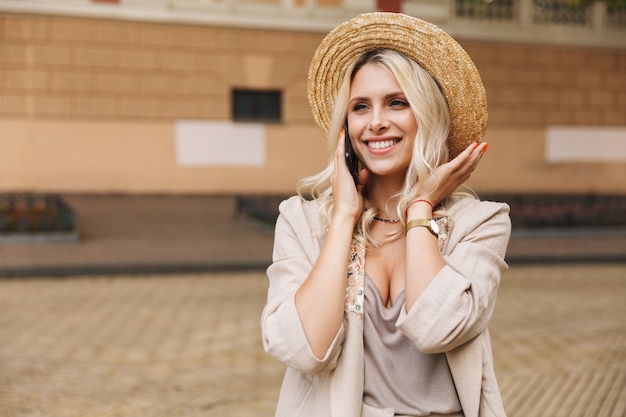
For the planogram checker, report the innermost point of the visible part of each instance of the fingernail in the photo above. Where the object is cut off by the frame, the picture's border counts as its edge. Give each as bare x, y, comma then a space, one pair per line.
485, 148
476, 145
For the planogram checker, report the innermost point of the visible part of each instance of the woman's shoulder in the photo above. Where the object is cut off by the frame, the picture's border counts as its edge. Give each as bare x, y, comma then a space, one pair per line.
298, 210
468, 205
487, 222
469, 213
297, 205
302, 216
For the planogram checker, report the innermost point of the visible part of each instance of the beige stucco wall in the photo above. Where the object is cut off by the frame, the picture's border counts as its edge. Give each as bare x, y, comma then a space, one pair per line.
139, 157
89, 105
515, 162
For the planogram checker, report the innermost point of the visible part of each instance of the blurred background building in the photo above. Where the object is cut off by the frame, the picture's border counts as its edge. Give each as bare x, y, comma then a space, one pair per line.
209, 96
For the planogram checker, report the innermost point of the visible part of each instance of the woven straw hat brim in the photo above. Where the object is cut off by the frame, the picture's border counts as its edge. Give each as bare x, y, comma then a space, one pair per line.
432, 48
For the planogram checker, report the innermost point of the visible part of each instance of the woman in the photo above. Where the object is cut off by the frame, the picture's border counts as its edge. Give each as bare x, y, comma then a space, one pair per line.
380, 292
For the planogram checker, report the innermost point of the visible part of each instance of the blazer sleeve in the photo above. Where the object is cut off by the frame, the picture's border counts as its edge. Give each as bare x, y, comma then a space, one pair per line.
458, 303
296, 248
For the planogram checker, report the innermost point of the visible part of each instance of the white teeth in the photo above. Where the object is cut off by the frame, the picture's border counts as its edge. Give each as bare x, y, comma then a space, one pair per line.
381, 144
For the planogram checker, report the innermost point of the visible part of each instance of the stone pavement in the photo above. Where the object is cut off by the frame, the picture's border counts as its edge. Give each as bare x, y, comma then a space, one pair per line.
164, 234
189, 344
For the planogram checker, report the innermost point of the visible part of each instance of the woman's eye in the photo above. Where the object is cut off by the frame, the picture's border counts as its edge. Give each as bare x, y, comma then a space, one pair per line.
398, 103
359, 106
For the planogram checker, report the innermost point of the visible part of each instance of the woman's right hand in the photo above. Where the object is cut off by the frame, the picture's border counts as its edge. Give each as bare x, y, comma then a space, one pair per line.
347, 198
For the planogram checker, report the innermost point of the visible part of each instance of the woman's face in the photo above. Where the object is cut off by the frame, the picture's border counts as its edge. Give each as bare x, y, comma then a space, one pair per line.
382, 125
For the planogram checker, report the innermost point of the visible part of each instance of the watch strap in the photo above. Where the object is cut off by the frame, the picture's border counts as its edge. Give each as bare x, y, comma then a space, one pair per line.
420, 223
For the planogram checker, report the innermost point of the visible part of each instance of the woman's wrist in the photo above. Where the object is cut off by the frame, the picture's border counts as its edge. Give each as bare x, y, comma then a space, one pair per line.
344, 218
423, 201
421, 208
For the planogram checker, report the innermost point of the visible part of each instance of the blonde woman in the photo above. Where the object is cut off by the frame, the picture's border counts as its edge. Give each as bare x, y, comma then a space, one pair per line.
382, 284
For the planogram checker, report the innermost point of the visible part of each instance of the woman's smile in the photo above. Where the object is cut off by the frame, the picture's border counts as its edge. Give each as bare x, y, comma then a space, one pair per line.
381, 145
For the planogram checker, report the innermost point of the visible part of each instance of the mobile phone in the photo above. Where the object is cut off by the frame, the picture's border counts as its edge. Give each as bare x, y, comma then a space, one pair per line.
351, 160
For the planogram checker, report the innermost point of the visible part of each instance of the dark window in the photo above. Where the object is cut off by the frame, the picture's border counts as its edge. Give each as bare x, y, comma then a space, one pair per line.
256, 105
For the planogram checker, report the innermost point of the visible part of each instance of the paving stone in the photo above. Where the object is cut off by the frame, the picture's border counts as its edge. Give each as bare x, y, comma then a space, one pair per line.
190, 344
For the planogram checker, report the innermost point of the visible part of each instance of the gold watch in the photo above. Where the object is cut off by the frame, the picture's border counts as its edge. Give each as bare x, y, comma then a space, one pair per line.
430, 224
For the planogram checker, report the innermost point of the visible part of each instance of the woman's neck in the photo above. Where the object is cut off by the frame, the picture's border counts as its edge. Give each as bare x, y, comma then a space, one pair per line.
382, 192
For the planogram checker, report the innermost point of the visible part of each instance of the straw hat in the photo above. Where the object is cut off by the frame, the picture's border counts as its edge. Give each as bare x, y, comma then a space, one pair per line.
432, 48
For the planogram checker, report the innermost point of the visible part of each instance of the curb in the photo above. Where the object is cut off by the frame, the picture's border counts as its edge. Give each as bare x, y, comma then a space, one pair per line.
64, 271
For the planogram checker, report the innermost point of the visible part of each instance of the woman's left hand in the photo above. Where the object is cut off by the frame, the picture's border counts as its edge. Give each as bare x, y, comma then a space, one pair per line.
449, 176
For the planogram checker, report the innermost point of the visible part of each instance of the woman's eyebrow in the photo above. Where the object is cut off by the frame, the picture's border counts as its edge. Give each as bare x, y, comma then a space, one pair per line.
386, 96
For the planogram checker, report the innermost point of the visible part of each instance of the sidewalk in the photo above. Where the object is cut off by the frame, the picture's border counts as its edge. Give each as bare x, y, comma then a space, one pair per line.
163, 234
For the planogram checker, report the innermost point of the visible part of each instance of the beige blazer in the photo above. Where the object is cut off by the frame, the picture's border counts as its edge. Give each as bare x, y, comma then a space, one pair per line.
451, 316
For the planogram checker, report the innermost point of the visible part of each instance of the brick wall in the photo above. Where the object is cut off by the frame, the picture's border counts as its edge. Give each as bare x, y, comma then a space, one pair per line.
67, 67
533, 85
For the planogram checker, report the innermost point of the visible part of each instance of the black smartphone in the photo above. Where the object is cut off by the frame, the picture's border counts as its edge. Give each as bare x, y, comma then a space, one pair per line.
351, 160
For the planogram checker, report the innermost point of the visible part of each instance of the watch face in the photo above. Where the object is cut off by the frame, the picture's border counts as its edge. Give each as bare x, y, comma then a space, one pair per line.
434, 226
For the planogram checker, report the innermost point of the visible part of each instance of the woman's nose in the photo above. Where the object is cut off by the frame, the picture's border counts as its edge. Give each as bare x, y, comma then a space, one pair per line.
378, 122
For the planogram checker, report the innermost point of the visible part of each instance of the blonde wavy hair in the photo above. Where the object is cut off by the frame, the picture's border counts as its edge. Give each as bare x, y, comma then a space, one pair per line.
430, 148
